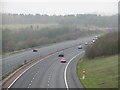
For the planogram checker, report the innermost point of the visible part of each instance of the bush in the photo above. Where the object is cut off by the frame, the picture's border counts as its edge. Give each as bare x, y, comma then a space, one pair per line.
105, 45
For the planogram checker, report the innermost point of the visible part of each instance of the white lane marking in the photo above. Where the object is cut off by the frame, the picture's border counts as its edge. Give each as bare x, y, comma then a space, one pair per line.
30, 84
48, 81
27, 87
31, 81
65, 72
33, 77
27, 70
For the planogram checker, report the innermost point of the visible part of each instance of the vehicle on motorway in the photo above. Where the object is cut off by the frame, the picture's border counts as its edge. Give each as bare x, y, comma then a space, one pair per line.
61, 54
96, 37
80, 47
86, 43
63, 60
93, 41
35, 50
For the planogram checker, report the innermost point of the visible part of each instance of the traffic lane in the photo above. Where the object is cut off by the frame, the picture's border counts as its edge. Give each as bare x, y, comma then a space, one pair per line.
44, 50
12, 64
26, 78
58, 77
72, 78
54, 75
43, 81
44, 65
17, 59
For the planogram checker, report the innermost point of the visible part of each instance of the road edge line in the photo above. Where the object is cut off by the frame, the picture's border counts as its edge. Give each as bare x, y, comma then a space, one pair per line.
34, 64
65, 71
26, 71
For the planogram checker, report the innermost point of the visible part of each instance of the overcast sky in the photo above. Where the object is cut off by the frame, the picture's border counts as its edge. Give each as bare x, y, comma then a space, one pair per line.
60, 7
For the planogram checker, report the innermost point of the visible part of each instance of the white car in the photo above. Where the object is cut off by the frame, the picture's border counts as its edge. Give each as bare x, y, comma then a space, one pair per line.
93, 41
96, 37
80, 47
86, 43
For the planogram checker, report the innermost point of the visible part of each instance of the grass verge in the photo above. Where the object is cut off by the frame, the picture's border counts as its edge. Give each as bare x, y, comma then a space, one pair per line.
100, 72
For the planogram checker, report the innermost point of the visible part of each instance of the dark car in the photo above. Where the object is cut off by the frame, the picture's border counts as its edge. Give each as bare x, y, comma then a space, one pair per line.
35, 50
61, 54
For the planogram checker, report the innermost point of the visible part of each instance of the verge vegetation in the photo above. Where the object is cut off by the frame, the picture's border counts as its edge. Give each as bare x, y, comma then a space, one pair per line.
28, 37
104, 46
101, 63
26, 31
100, 72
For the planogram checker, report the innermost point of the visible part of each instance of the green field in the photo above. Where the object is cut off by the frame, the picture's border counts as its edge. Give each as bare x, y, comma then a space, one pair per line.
20, 26
100, 72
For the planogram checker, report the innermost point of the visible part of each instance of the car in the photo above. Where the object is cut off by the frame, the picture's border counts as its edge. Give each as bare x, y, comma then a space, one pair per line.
93, 41
80, 47
35, 50
86, 43
61, 54
96, 37
63, 60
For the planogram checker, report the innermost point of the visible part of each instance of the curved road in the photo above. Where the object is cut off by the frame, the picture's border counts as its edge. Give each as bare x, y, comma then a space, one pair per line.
50, 73
11, 62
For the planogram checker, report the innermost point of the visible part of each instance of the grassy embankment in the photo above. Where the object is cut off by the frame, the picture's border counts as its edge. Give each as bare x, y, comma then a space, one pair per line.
101, 63
100, 72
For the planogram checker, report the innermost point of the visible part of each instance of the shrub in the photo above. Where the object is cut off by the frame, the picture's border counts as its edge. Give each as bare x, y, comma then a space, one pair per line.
105, 45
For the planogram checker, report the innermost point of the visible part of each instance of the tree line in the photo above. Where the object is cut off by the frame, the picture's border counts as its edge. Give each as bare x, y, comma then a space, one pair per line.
79, 19
69, 27
29, 38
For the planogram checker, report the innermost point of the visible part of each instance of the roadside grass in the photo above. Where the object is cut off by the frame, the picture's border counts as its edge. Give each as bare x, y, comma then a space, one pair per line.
101, 72
14, 52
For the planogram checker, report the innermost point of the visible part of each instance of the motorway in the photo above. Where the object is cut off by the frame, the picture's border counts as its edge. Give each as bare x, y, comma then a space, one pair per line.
50, 72
12, 61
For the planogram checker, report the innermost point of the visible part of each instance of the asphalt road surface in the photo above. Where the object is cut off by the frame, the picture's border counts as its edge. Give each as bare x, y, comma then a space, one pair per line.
50, 72
11, 62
